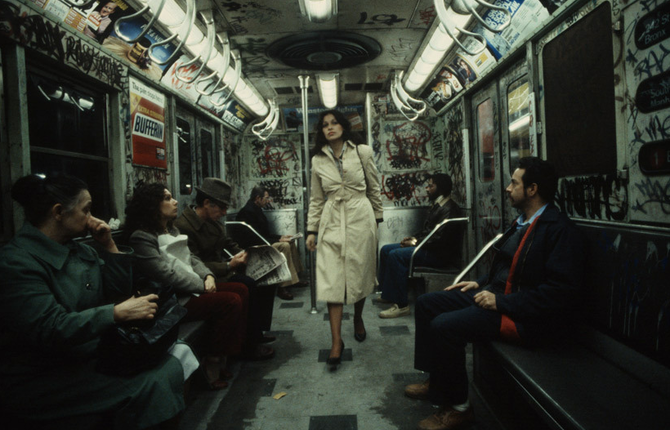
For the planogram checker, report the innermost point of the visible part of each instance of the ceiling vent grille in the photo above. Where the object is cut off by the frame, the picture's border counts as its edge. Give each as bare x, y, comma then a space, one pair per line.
324, 50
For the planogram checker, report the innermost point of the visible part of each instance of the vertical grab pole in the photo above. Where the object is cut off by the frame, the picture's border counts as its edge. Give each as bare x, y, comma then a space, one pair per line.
311, 256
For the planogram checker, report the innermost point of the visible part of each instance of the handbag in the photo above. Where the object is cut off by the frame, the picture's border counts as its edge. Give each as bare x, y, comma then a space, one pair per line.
135, 346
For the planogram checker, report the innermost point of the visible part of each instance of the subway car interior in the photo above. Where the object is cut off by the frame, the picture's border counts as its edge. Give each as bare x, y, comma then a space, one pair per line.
122, 93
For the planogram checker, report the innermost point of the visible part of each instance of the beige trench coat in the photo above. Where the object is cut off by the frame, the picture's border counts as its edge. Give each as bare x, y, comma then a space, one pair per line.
344, 217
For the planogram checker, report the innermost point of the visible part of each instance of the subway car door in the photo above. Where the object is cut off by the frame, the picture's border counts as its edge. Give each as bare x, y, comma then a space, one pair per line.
488, 204
198, 155
517, 141
185, 155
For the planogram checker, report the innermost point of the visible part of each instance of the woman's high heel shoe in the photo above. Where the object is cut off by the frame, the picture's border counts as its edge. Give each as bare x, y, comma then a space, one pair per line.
360, 337
333, 362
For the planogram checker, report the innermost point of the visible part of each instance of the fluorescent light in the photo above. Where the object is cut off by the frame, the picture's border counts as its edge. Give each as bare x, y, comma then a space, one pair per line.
318, 10
435, 50
328, 90
171, 15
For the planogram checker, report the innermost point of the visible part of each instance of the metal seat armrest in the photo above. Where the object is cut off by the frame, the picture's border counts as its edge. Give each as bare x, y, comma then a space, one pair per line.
477, 258
432, 232
242, 223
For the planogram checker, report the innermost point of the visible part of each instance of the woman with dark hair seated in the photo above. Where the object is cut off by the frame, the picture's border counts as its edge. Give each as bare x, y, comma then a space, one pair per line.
162, 254
54, 307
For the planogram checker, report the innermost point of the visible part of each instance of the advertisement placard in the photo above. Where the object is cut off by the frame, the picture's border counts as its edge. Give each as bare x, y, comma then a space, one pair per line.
147, 118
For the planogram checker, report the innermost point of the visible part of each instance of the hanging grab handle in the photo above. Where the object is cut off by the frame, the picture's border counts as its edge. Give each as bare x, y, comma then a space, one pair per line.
236, 80
203, 57
187, 24
152, 21
445, 22
210, 79
266, 127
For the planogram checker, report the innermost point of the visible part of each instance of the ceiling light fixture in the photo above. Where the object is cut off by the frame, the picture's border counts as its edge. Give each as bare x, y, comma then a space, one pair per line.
328, 89
318, 10
434, 51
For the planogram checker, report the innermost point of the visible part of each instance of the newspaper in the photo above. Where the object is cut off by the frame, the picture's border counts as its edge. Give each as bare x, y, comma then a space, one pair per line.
267, 266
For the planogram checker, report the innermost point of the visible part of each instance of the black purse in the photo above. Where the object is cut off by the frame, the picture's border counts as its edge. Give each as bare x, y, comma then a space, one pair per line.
135, 346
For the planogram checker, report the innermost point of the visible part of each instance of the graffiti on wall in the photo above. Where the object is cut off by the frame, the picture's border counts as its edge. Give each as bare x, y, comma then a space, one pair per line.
600, 197
652, 192
36, 32
649, 195
406, 145
453, 140
404, 189
276, 157
284, 192
274, 164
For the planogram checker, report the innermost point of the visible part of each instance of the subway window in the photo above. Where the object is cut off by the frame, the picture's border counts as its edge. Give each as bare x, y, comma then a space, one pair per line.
68, 134
207, 151
579, 98
518, 121
185, 164
485, 137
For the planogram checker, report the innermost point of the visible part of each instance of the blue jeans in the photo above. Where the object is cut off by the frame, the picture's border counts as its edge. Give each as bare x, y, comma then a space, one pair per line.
394, 270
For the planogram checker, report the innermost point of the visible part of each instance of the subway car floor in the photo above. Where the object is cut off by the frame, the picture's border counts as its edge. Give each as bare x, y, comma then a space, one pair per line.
365, 393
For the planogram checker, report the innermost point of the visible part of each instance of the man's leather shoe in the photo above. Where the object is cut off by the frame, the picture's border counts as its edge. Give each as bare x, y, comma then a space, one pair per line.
447, 419
267, 339
261, 352
418, 391
284, 294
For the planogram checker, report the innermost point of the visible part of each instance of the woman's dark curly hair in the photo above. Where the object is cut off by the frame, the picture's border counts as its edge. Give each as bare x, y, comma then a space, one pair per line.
319, 138
143, 211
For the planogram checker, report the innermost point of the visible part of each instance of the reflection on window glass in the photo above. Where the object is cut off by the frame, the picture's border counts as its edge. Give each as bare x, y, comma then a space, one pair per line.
485, 137
206, 150
66, 116
67, 122
185, 164
518, 117
93, 172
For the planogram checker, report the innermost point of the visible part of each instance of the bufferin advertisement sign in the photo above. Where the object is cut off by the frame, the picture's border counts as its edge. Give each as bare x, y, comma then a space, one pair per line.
147, 116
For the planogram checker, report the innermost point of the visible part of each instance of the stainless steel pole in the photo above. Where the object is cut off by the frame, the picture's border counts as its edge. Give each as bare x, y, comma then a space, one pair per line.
304, 86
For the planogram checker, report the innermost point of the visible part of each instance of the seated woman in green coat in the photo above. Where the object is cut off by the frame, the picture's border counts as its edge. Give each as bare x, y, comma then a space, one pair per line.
55, 302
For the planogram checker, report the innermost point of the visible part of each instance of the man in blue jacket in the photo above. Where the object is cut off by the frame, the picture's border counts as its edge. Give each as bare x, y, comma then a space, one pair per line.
531, 289
443, 249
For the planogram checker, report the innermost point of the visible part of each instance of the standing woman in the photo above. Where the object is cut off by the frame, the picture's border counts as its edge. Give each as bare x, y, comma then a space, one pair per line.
55, 303
344, 209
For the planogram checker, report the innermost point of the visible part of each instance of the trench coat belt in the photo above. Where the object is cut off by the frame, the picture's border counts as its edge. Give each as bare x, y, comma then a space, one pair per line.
339, 201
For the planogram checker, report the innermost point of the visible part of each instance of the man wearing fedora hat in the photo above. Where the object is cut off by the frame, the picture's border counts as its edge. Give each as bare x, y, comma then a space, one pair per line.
207, 239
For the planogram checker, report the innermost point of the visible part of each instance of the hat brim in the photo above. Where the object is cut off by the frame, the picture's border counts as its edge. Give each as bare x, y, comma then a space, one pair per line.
217, 201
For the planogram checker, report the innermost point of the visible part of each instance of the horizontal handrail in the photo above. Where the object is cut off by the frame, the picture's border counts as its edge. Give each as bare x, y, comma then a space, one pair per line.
477, 258
432, 232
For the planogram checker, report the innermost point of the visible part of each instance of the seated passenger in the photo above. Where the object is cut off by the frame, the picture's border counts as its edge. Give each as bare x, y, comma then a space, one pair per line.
530, 291
252, 214
443, 249
55, 305
207, 240
162, 254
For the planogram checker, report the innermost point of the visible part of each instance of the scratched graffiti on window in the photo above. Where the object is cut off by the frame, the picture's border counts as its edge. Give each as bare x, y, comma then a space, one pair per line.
406, 146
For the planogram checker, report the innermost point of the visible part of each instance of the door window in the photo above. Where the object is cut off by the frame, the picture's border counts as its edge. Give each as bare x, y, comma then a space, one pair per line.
185, 161
486, 138
518, 121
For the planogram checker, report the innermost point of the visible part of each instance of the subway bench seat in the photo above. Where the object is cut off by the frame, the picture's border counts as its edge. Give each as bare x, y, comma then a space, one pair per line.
589, 382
